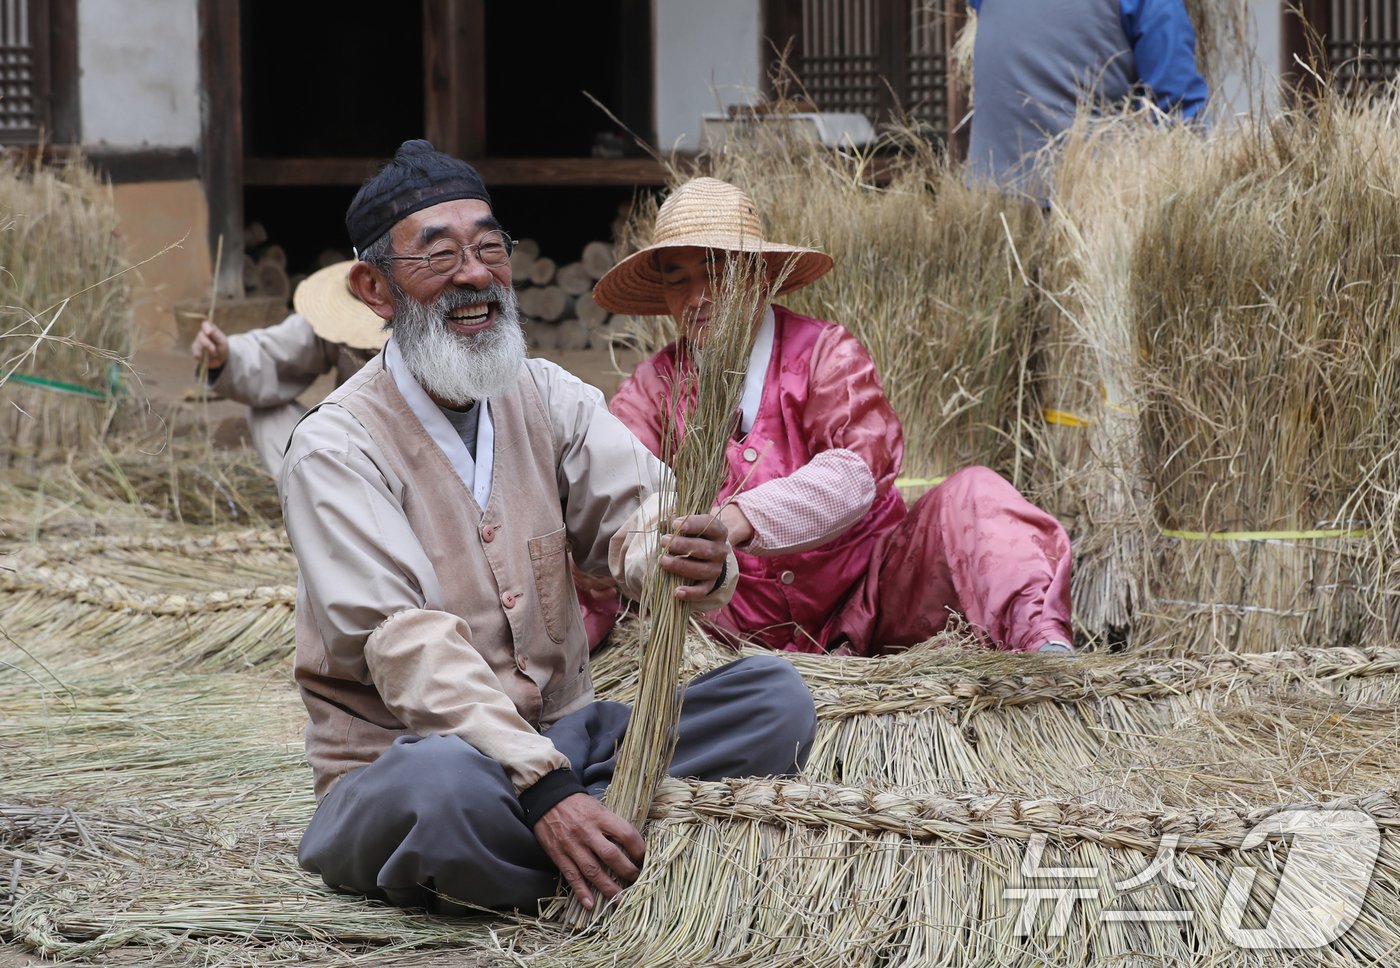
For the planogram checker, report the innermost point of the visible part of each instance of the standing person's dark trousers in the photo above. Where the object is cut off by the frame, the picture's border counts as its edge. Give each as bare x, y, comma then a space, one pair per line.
433, 821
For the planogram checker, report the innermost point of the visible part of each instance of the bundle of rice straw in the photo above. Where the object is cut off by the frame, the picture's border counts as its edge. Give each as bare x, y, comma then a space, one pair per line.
1264, 287
66, 328
1222, 37
1108, 178
698, 424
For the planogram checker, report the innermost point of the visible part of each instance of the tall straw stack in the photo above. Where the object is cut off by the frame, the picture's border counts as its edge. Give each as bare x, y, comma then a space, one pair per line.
1265, 292
66, 321
926, 276
1107, 181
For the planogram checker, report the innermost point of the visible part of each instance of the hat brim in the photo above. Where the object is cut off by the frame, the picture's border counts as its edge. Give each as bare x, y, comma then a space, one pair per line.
634, 285
335, 313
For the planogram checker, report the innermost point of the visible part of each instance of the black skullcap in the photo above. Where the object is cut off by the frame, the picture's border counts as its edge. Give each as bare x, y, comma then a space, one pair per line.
419, 177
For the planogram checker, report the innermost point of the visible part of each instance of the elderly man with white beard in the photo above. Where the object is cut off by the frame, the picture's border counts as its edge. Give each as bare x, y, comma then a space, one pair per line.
433, 502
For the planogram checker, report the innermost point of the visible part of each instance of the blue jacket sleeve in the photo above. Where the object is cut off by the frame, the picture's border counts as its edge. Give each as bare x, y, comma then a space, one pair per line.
1164, 46
975, 5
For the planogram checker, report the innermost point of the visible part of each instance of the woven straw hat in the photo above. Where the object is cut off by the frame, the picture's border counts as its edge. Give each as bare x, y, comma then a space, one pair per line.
711, 214
336, 313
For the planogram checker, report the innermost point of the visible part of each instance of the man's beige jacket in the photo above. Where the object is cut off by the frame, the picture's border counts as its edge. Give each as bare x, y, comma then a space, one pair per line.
420, 611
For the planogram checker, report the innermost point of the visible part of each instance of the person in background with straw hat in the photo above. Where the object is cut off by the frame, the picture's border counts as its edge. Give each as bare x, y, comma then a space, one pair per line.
267, 369
433, 503
829, 558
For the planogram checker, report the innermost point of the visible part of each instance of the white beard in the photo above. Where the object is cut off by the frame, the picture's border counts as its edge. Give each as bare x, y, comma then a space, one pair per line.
454, 367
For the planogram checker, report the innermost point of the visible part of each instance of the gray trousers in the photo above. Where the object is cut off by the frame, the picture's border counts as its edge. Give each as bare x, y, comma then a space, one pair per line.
433, 820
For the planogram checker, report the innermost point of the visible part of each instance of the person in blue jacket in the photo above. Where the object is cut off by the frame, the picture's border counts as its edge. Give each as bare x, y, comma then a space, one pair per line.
1035, 61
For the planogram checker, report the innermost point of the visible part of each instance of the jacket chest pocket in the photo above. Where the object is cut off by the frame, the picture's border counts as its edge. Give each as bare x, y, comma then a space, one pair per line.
549, 559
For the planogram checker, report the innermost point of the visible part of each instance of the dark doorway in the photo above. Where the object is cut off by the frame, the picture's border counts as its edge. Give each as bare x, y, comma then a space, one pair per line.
340, 86
326, 100
540, 59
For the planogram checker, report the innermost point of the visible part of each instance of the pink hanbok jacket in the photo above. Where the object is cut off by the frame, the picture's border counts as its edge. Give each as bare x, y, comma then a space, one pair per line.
821, 393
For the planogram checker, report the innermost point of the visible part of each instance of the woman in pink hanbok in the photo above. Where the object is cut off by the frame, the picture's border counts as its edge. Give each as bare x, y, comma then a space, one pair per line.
830, 559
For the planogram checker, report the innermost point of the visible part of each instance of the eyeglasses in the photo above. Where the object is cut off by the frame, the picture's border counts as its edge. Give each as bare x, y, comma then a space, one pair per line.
492, 250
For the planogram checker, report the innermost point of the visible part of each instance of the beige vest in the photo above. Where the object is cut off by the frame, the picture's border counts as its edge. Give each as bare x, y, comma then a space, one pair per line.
504, 571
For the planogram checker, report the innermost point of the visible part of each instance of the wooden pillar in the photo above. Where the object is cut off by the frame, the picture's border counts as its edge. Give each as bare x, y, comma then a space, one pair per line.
63, 72
1305, 43
892, 29
222, 137
954, 19
454, 76
782, 38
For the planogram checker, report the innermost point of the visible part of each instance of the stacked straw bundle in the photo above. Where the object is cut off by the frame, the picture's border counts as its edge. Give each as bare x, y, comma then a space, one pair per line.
1217, 378
1265, 294
1108, 181
66, 328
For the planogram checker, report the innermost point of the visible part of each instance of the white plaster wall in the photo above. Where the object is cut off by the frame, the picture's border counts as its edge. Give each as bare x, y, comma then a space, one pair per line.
1254, 84
140, 82
707, 58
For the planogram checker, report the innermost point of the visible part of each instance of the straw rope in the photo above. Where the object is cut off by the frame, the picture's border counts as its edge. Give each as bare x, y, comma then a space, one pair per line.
105, 592
265, 539
972, 819
940, 674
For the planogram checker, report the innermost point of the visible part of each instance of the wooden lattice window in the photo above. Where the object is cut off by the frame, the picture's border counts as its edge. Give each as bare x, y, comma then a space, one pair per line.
880, 58
927, 94
1361, 39
24, 73
38, 71
1355, 43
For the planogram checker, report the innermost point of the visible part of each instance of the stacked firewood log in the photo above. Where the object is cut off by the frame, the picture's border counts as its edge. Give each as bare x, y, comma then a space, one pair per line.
264, 265
556, 301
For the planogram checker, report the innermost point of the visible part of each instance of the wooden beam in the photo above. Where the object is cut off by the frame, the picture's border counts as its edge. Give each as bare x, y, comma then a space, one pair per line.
454, 76
495, 172
127, 166
222, 137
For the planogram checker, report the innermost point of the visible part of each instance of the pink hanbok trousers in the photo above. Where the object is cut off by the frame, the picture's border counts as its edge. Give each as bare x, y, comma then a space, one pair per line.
971, 546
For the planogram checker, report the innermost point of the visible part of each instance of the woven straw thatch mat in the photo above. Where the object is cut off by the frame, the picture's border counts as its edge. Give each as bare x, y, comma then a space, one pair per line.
161, 809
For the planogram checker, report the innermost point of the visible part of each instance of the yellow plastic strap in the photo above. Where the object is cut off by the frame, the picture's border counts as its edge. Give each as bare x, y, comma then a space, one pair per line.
1064, 419
1115, 407
918, 481
1266, 535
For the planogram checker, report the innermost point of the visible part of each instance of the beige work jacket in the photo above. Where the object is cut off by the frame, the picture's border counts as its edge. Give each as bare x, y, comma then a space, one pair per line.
272, 366
420, 611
